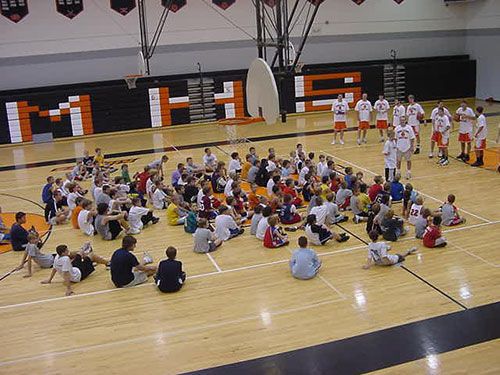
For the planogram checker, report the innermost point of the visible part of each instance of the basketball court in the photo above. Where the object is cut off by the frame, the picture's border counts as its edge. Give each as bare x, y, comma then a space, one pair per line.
240, 310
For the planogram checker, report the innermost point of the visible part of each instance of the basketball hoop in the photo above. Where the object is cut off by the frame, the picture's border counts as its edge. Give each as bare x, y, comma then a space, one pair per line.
298, 67
131, 80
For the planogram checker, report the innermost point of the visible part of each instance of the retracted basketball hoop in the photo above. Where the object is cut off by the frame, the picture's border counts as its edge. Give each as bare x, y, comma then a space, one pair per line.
131, 80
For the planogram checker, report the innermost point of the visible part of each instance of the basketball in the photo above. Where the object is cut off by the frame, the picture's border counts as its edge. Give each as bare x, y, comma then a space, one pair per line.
456, 117
420, 116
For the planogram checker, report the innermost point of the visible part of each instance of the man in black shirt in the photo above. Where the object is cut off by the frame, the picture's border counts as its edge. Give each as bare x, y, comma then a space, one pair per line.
19, 235
54, 211
170, 277
126, 271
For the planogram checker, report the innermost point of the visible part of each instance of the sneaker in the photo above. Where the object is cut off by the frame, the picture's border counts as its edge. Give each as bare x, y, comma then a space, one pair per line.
408, 175
412, 250
359, 141
133, 231
431, 155
155, 220
291, 229
355, 219
344, 219
445, 162
86, 249
147, 259
466, 158
333, 141
343, 237
381, 139
341, 141
460, 156
477, 163
417, 151
439, 161
364, 140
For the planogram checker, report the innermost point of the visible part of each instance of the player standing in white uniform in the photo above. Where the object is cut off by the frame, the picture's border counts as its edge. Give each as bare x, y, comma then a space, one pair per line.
415, 113
340, 107
364, 109
435, 133
480, 137
405, 137
466, 115
382, 107
390, 156
443, 127
398, 113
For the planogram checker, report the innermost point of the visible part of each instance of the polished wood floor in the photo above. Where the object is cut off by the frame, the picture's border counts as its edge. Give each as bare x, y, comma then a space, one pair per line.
241, 302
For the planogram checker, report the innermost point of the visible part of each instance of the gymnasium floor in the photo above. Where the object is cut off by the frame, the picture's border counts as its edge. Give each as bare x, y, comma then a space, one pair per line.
240, 303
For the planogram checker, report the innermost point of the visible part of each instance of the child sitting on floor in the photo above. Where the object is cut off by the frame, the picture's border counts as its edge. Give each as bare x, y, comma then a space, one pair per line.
450, 213
433, 236
321, 234
288, 213
205, 241
273, 237
169, 276
304, 264
378, 253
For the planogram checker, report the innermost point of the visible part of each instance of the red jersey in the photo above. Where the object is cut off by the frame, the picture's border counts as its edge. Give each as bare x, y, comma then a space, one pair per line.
269, 240
143, 178
206, 206
374, 190
431, 234
292, 192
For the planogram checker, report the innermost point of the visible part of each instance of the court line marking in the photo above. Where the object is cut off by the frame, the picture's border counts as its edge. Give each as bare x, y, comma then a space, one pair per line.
473, 255
223, 271
168, 334
214, 262
424, 194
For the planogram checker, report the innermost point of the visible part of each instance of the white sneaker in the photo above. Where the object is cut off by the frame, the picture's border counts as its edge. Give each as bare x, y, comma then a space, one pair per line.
381, 139
147, 259
341, 141
431, 155
412, 250
359, 141
445, 162
133, 231
408, 175
364, 140
355, 219
333, 141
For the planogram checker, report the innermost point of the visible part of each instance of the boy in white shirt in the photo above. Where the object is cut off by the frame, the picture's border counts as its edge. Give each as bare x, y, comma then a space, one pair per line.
364, 109
159, 199
234, 163
382, 107
390, 156
405, 138
442, 125
209, 160
74, 267
322, 165
398, 113
378, 253
466, 115
340, 107
225, 226
139, 216
435, 132
480, 137
415, 113
86, 218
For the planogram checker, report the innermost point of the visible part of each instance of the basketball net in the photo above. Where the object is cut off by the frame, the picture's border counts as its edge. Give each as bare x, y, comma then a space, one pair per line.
131, 80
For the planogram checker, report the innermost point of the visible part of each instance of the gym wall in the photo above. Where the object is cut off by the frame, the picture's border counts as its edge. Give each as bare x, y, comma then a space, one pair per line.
84, 109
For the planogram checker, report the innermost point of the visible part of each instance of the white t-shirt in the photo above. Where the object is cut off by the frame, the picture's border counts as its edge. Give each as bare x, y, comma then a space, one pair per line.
228, 191
339, 109
210, 161
270, 185
63, 264
415, 213
223, 224
271, 166
302, 175
332, 211
412, 111
199, 197
157, 199
364, 108
134, 217
442, 125
261, 228
321, 212
465, 123
86, 227
378, 251
434, 114
389, 152
482, 128
404, 135
72, 200
234, 165
398, 112
155, 164
382, 107
321, 167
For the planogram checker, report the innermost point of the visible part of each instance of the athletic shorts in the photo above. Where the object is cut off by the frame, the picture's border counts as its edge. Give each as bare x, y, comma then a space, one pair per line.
381, 124
339, 125
140, 277
480, 144
363, 125
85, 266
443, 142
406, 155
435, 136
416, 129
464, 137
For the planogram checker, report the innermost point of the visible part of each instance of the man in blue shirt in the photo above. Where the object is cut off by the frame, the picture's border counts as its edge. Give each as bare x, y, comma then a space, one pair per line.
19, 235
47, 190
126, 271
305, 263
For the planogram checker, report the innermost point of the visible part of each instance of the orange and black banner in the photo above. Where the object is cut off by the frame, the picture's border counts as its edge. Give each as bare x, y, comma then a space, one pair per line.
14, 10
224, 4
174, 5
69, 8
123, 7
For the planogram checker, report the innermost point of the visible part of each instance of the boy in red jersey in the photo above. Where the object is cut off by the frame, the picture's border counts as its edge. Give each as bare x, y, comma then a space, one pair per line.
432, 234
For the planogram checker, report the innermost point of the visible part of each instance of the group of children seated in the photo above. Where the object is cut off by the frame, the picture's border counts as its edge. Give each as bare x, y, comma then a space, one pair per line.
215, 202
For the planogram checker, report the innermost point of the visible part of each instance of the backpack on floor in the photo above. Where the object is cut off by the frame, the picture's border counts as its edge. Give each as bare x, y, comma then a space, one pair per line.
191, 223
